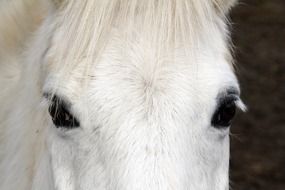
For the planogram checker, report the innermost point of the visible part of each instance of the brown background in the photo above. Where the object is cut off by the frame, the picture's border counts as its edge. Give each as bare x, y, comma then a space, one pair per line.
258, 140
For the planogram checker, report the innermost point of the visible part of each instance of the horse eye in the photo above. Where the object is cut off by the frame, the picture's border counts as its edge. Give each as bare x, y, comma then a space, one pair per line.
225, 113
60, 115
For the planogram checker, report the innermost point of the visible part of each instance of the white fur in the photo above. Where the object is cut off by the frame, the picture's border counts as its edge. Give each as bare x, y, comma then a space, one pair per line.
143, 84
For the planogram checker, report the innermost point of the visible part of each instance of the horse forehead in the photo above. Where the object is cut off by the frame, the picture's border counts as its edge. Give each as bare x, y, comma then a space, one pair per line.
136, 65
124, 88
139, 61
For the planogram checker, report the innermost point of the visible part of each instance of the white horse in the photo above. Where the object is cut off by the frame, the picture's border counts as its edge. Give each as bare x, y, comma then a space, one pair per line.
115, 94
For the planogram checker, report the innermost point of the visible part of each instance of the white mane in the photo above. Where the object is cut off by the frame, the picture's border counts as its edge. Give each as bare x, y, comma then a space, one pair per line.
84, 28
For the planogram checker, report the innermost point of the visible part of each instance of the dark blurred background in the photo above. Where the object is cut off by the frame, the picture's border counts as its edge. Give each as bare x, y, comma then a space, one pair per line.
258, 139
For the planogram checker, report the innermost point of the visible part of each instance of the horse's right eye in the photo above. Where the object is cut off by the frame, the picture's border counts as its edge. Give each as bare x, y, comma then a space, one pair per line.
225, 112
61, 116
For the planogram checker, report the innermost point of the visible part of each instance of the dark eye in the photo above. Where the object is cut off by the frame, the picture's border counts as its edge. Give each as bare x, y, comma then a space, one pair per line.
225, 112
60, 115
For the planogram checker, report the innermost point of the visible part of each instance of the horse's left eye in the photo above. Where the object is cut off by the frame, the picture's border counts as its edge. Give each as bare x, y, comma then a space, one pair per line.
225, 113
61, 117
